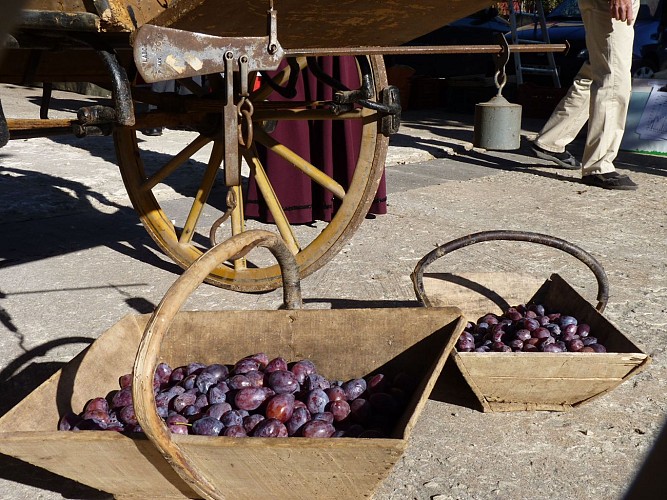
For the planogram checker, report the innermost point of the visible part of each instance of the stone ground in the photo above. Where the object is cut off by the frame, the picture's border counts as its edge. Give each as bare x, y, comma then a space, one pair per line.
74, 259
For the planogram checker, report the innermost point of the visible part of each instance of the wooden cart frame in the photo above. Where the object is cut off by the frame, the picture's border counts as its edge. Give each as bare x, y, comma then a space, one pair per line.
119, 44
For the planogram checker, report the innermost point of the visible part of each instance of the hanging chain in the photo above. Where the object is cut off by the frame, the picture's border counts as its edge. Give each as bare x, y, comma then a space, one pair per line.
245, 111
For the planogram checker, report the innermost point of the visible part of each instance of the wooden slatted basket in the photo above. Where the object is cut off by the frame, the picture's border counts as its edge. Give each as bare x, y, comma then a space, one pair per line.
343, 344
515, 381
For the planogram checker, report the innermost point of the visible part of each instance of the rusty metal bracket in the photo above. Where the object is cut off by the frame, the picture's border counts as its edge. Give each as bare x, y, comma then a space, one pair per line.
170, 54
344, 98
167, 54
230, 126
391, 122
94, 121
122, 95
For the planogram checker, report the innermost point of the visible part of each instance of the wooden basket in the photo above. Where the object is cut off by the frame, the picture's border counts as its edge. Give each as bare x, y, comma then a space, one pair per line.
343, 343
530, 381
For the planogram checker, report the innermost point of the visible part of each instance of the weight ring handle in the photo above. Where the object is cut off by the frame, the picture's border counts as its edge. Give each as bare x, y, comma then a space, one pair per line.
417, 275
159, 323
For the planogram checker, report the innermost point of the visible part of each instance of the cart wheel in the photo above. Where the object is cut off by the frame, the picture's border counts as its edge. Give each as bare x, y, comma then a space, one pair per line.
182, 226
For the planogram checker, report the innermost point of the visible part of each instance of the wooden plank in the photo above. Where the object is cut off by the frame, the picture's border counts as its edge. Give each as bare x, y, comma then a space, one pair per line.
118, 14
340, 468
108, 461
542, 391
566, 365
320, 23
56, 5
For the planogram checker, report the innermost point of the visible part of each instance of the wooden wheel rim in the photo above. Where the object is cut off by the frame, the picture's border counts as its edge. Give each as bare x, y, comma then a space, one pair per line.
353, 209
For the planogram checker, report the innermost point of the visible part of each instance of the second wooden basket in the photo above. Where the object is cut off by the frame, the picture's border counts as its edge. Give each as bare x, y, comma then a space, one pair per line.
511, 381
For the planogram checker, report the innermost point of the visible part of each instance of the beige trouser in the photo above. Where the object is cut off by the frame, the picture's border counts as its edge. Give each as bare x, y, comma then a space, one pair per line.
600, 93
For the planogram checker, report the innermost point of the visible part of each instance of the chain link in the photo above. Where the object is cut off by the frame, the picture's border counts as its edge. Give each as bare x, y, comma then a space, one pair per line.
245, 111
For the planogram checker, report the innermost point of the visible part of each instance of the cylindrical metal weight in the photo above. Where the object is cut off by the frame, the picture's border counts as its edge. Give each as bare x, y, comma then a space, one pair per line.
497, 125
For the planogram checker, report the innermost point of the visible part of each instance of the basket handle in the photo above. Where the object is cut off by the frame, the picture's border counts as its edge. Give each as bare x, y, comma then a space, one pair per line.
159, 323
543, 239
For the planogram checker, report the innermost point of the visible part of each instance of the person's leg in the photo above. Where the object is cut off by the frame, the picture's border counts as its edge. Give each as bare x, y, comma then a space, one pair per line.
569, 116
609, 45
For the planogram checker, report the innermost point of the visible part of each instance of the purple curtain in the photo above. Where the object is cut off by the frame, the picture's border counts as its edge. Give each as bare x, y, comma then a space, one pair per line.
330, 145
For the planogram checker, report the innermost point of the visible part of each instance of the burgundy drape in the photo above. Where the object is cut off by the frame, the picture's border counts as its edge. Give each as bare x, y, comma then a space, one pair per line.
331, 145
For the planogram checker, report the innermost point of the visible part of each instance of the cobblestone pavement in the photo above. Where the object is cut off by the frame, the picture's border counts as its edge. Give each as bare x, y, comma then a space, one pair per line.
74, 260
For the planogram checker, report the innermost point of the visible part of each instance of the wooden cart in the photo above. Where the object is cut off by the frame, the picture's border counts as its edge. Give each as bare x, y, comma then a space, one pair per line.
122, 44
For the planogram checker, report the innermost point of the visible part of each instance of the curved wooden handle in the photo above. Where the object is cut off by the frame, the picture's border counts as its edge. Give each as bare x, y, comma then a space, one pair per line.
543, 239
159, 323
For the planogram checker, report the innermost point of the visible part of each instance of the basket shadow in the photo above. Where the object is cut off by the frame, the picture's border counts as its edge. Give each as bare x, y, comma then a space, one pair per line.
450, 387
18, 471
649, 480
361, 304
18, 384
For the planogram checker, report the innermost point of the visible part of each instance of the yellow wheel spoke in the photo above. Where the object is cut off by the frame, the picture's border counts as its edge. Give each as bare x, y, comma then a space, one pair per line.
307, 168
264, 186
202, 193
175, 162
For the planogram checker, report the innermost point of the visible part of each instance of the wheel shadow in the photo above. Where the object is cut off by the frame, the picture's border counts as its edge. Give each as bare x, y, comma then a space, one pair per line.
48, 215
185, 181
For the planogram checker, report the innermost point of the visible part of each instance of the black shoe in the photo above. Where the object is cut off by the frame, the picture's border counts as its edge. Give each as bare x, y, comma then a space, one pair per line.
153, 132
565, 159
611, 180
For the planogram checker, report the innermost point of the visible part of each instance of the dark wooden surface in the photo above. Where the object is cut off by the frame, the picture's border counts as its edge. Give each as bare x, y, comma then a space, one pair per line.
320, 23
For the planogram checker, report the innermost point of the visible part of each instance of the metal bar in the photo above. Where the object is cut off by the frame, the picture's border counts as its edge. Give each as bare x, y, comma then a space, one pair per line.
47, 90
230, 127
424, 50
309, 114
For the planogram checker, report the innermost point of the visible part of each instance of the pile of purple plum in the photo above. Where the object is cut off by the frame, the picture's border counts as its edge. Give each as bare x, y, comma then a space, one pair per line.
528, 328
255, 397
